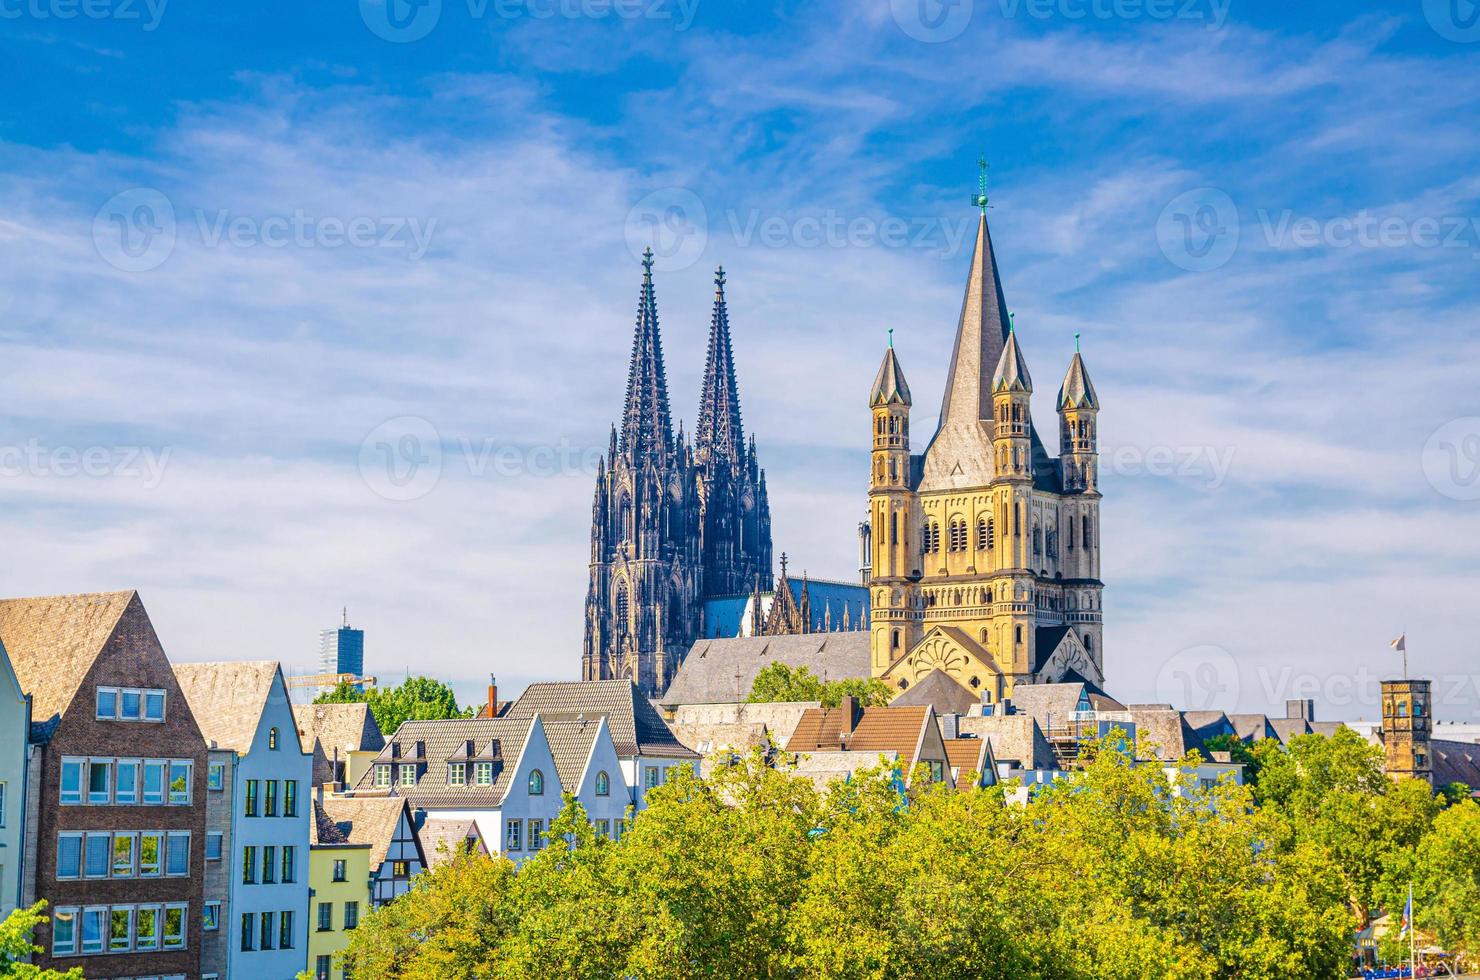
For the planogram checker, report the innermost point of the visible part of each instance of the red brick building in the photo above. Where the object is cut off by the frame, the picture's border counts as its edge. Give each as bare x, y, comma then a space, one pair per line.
118, 805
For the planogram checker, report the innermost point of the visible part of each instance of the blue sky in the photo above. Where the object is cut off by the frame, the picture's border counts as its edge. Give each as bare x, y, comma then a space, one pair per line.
249, 250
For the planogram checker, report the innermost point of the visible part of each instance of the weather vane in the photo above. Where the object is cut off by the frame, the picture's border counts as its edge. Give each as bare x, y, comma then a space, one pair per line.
980, 198
891, 338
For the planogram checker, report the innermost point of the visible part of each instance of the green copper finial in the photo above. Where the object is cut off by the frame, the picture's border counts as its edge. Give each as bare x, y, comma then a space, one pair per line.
891, 338
1076, 341
1012, 323
980, 199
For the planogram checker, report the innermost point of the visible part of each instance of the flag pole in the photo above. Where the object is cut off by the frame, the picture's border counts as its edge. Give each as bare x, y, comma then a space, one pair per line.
1412, 925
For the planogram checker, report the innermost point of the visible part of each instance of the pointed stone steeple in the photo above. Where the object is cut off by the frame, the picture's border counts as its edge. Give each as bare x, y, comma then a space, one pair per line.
647, 428
1012, 370
889, 384
719, 434
1077, 391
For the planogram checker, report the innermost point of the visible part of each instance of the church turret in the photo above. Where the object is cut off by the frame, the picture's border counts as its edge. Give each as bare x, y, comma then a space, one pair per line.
1079, 408
891, 532
1012, 393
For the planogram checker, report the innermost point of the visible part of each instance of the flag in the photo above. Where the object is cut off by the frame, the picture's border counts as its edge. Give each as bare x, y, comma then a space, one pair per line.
1407, 916
1401, 643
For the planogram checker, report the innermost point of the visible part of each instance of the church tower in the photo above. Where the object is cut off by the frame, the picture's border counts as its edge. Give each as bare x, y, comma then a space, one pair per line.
982, 553
734, 513
643, 605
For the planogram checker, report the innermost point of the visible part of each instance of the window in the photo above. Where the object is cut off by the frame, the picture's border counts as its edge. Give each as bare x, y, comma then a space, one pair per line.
97, 856
210, 919
937, 772
457, 774
99, 783
269, 865
511, 836
151, 848
249, 931
154, 706
180, 783
603, 828
536, 783
400, 869
174, 926
536, 834
71, 789
123, 855
249, 865
351, 915
269, 804
272, 739
177, 855
483, 773
251, 805
154, 770
126, 782
339, 871
216, 776
146, 927
69, 856
603, 784
265, 935
107, 703
408, 774
290, 862
131, 705
64, 932
214, 841
322, 967
326, 917
285, 930
651, 777
382, 775
94, 922
120, 930
290, 798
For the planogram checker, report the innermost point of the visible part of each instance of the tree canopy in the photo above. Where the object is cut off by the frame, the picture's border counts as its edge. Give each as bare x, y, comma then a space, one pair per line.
16, 947
779, 682
417, 699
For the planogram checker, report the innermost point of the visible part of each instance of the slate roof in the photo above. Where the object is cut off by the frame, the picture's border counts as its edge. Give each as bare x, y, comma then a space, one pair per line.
1251, 727
1012, 369
1015, 738
571, 743
322, 728
723, 671
889, 384
1046, 640
635, 726
53, 642
1287, 728
325, 832
442, 740
1051, 705
1456, 762
367, 820
227, 699
1077, 391
940, 691
440, 839
878, 730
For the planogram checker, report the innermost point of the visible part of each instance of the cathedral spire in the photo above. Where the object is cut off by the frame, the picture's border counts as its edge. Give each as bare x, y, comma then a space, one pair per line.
719, 433
647, 429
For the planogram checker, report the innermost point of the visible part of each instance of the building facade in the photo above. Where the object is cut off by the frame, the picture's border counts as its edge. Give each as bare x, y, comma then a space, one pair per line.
244, 709
672, 523
983, 553
339, 892
385, 824
15, 730
119, 811
215, 949
1407, 729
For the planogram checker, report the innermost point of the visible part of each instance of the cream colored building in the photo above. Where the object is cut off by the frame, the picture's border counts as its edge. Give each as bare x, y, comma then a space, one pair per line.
983, 553
15, 728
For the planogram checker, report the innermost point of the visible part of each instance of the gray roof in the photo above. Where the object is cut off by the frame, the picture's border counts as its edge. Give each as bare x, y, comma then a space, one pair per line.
1161, 733
441, 740
1012, 369
228, 699
940, 691
1287, 728
1015, 738
570, 744
1077, 391
1251, 728
367, 820
441, 840
889, 384
723, 670
635, 725
1456, 762
1051, 705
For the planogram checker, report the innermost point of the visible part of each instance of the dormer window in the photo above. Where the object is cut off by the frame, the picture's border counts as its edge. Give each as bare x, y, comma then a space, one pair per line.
407, 774
536, 783
382, 776
483, 774
457, 774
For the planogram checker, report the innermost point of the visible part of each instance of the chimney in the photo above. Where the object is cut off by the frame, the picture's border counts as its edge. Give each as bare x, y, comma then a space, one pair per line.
318, 794
849, 707
492, 696
1302, 708
950, 726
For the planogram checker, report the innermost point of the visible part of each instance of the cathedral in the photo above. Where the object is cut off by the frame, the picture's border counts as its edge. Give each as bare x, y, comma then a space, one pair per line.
983, 552
674, 523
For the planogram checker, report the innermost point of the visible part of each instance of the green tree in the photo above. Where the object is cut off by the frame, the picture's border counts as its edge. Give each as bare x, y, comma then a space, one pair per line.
416, 699
779, 682
1238, 750
1444, 870
16, 947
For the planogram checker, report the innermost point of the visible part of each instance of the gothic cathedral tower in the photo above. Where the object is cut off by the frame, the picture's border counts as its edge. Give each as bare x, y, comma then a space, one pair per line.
984, 551
671, 525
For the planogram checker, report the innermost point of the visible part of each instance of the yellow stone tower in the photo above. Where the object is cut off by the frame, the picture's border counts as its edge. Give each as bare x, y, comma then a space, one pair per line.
983, 553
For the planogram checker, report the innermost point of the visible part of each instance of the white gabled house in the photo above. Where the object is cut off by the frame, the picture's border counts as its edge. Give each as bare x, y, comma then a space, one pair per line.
590, 770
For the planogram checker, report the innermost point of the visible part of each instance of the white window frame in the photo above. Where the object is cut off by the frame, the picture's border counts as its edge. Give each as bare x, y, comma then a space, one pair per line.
133, 854
128, 933
189, 767
124, 695
154, 940
91, 910
160, 854
207, 918
403, 770
62, 913
483, 774
98, 704
216, 776
217, 839
170, 838
457, 774
107, 765
184, 908
382, 775
137, 766
81, 840
107, 839
79, 764
163, 705
162, 766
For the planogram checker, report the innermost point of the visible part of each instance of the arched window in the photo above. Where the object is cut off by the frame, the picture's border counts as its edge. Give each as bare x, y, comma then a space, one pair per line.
981, 534
984, 643
624, 608
1086, 537
894, 529
272, 739
1020, 635
603, 784
536, 783
894, 642
1089, 643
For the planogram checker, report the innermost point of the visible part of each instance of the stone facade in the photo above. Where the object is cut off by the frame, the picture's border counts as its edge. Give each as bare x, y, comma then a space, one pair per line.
983, 553
215, 953
1407, 729
671, 524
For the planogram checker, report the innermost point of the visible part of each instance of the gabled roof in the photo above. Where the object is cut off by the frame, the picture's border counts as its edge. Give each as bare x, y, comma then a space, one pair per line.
940, 691
442, 839
571, 743
53, 642
1015, 738
1251, 727
968, 755
723, 671
227, 699
441, 741
1456, 762
325, 832
368, 820
635, 726
891, 729
1051, 705
325, 728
